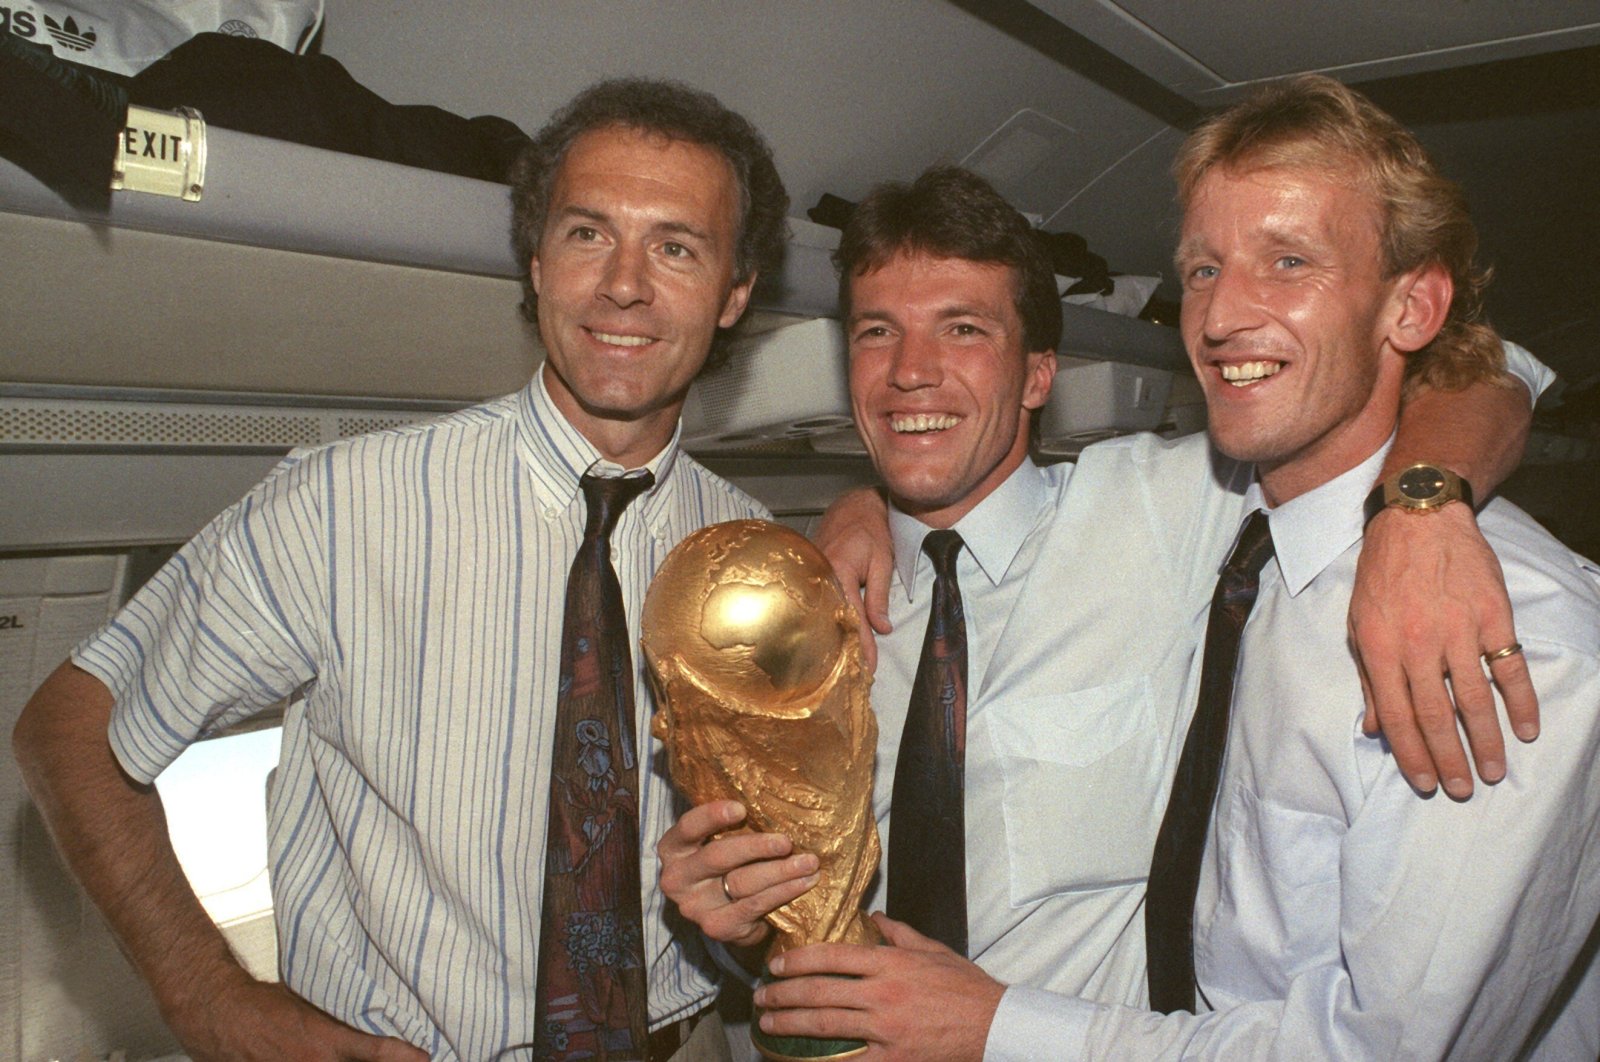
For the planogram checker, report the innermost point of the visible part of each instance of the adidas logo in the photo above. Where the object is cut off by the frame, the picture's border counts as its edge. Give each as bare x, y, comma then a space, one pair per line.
67, 34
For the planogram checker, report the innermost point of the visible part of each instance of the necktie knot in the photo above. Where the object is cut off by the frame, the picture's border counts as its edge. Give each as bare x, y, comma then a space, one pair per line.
1255, 545
1241, 575
606, 497
942, 548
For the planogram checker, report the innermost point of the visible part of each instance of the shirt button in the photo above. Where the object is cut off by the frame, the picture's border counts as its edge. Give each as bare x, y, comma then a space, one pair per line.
549, 512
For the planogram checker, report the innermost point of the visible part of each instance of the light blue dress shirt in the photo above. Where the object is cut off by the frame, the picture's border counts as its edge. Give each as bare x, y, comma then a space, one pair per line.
1339, 914
411, 585
1084, 588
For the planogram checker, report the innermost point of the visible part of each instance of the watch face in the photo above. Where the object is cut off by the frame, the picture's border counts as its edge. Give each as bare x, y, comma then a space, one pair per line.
1420, 483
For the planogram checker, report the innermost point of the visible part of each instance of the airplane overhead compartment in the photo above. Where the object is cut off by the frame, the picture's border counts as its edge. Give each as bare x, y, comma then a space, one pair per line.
787, 385
269, 193
273, 194
1094, 400
99, 305
304, 280
1112, 337
792, 386
308, 271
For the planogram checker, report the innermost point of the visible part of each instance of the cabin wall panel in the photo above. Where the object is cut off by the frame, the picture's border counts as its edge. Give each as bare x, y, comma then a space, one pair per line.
66, 992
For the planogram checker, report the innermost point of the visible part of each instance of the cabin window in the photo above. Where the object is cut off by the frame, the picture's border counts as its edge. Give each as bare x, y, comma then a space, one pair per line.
215, 795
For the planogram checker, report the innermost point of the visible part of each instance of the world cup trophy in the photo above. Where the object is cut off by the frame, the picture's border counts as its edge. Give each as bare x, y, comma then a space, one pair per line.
761, 697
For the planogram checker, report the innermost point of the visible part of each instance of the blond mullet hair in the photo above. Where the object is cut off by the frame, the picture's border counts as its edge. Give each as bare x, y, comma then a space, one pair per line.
1314, 123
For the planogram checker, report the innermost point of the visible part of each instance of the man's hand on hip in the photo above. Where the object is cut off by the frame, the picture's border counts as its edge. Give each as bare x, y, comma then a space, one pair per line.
256, 1021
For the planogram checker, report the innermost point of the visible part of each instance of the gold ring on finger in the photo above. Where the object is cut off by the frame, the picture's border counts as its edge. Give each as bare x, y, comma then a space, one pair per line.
727, 891
1488, 658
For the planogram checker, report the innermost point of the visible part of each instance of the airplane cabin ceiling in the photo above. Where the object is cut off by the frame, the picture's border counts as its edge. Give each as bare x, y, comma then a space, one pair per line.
848, 93
1236, 42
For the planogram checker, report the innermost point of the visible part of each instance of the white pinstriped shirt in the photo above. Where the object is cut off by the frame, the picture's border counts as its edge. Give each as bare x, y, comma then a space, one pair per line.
411, 583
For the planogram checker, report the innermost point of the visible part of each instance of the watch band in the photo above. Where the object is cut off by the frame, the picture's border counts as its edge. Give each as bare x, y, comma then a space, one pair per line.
1374, 504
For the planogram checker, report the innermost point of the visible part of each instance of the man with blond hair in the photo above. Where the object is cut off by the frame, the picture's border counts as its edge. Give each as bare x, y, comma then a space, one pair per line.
1337, 915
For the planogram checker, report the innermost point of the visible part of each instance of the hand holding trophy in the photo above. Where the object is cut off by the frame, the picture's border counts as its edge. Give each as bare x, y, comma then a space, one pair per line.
762, 698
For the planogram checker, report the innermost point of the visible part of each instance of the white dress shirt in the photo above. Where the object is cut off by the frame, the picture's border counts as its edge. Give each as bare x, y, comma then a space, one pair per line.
411, 585
1085, 590
1340, 915
1534, 374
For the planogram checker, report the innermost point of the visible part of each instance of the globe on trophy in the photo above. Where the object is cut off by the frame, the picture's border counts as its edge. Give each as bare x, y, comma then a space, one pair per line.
762, 698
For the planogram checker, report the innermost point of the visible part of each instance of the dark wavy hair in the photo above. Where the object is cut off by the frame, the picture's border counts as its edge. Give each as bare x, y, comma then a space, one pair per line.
949, 212
1314, 123
677, 112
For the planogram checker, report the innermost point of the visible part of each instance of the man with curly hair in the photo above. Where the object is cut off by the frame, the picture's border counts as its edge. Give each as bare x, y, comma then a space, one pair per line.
408, 587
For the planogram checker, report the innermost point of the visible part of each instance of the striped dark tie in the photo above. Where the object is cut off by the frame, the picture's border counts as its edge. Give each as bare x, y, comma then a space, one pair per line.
590, 999
1175, 867
927, 821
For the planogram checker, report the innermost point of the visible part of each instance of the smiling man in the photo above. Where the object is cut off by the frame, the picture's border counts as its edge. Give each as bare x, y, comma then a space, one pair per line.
940, 394
461, 821
650, 222
1325, 264
1283, 371
1021, 799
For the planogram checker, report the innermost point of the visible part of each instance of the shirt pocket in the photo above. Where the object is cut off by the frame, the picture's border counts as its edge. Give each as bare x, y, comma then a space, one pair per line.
1080, 772
1279, 892
1298, 849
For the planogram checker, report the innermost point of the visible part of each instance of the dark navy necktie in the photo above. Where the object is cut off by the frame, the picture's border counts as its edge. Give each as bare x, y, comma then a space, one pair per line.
1175, 867
927, 823
590, 1000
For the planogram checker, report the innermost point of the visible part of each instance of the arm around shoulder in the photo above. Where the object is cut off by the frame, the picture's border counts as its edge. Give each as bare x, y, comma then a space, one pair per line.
1430, 598
1478, 432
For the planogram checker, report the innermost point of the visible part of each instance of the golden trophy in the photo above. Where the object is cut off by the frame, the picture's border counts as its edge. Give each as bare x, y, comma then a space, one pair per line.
761, 697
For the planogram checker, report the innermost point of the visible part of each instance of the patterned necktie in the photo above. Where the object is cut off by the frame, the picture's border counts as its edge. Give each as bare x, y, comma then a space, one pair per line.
927, 824
1175, 867
590, 1001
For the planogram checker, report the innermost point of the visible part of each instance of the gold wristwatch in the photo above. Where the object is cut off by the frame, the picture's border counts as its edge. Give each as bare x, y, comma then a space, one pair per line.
1418, 489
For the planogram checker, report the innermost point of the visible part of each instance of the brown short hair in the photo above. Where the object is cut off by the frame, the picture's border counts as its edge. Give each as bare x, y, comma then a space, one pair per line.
675, 111
1315, 123
949, 212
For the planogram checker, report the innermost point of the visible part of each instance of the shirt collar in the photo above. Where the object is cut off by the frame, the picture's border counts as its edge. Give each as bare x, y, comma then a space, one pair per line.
993, 531
1311, 531
559, 454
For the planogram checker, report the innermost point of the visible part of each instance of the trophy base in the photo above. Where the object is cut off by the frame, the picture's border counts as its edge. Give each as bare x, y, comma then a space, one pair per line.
799, 1048
803, 1048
